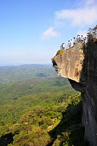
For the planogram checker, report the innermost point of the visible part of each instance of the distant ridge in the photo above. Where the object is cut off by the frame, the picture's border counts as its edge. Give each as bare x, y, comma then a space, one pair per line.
25, 71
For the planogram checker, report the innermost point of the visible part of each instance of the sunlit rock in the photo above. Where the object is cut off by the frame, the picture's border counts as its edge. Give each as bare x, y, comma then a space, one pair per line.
79, 65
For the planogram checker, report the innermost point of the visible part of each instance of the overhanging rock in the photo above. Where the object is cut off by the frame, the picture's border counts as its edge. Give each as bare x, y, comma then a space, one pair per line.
79, 65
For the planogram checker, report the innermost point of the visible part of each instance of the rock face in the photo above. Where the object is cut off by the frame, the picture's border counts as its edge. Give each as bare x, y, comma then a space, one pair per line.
79, 65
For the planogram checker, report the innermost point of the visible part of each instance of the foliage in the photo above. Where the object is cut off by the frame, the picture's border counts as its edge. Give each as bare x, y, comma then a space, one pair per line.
40, 112
59, 52
94, 40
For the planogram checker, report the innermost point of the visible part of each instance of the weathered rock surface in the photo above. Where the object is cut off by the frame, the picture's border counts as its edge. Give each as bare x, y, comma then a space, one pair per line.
79, 65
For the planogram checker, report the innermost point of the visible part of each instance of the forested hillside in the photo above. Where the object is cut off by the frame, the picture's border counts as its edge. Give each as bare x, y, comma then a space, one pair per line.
18, 73
42, 111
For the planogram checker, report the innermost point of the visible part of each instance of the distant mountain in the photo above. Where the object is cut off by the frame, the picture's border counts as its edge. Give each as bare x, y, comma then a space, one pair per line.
21, 72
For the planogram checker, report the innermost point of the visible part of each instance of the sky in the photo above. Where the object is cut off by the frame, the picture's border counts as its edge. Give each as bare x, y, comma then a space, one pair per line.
31, 31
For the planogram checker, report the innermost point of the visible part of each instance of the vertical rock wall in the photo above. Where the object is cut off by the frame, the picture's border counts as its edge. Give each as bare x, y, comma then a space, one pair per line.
79, 65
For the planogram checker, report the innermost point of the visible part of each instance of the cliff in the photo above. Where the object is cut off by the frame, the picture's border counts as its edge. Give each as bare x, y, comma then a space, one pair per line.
79, 65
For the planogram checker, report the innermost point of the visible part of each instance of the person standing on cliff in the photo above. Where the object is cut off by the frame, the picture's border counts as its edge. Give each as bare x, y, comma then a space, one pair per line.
74, 41
69, 44
81, 39
85, 40
78, 38
62, 46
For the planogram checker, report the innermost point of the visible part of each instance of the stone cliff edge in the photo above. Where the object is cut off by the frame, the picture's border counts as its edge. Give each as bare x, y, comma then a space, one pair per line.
79, 65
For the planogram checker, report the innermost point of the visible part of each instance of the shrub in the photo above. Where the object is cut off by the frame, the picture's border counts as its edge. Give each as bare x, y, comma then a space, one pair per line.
59, 52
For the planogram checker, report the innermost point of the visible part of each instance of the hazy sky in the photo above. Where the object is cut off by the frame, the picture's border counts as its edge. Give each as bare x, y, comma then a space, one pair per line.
31, 31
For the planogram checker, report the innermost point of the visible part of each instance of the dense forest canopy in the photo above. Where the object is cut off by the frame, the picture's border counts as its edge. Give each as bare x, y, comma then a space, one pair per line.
38, 110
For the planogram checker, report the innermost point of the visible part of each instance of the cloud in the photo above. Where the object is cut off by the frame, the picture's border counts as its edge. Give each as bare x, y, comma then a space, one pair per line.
90, 3
81, 16
50, 32
58, 23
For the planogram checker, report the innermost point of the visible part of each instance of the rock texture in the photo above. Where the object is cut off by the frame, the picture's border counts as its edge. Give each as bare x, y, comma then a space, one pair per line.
79, 65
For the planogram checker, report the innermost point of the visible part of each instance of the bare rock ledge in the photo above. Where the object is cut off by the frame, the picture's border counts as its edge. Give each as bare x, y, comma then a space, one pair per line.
79, 65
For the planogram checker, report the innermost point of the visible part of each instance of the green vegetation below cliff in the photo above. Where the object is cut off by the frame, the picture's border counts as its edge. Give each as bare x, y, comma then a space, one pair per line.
40, 112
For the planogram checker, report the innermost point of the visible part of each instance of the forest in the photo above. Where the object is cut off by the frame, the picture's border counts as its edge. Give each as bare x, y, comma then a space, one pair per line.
38, 108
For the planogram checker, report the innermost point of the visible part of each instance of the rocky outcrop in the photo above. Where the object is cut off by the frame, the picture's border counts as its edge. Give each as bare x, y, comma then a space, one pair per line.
79, 65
